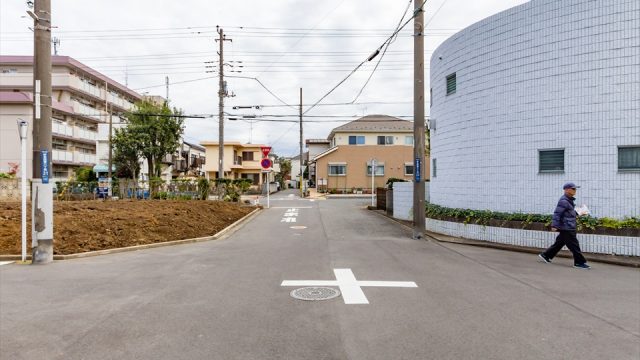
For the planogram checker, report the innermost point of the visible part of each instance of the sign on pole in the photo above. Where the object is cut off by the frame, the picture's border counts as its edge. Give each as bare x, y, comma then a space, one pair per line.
266, 163
265, 150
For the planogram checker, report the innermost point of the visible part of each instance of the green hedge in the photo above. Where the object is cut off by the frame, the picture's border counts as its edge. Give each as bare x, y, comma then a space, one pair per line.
483, 217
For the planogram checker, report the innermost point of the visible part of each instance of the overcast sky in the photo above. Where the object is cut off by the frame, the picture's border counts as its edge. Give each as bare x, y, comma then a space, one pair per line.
285, 44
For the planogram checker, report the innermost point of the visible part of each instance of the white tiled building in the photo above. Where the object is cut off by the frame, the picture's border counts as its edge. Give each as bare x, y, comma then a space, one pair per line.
535, 96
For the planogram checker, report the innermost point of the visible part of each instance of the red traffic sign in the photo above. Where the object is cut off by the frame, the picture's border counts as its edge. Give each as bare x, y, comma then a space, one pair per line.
266, 163
265, 150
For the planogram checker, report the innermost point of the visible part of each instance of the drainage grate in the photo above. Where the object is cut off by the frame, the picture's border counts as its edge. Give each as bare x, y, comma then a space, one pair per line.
315, 293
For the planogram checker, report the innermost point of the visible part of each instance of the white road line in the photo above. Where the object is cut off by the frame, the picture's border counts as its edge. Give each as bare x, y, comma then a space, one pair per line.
350, 288
6, 262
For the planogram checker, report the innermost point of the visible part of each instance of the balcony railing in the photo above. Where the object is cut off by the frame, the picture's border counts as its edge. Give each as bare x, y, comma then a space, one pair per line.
62, 129
62, 155
85, 134
87, 111
84, 158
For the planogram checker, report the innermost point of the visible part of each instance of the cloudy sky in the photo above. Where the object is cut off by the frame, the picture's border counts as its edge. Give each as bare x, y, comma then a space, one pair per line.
284, 45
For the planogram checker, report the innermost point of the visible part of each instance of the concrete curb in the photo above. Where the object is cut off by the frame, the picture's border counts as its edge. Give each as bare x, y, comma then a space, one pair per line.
629, 261
221, 234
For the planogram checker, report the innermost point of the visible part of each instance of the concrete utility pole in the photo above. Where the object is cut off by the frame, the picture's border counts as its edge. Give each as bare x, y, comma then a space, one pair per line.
418, 123
221, 95
110, 161
166, 82
41, 191
301, 140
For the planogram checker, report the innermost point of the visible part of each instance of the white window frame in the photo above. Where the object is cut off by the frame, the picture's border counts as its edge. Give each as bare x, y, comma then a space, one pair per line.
378, 172
412, 169
333, 165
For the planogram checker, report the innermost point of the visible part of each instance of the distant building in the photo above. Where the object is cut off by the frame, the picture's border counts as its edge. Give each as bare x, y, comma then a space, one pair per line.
241, 161
535, 96
346, 165
80, 116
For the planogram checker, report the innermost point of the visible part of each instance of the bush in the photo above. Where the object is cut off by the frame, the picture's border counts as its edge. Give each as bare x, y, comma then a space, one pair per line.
483, 217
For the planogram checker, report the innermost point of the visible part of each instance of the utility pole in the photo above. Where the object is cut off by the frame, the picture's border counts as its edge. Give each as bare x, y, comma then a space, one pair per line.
166, 82
418, 123
110, 161
221, 95
301, 161
41, 191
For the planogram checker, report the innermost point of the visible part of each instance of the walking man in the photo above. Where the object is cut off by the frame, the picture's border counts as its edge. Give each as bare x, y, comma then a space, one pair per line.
565, 221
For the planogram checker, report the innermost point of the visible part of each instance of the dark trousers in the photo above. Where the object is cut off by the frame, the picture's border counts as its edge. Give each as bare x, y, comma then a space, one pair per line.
569, 239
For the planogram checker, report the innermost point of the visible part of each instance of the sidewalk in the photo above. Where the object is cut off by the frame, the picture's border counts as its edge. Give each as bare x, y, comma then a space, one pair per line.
630, 261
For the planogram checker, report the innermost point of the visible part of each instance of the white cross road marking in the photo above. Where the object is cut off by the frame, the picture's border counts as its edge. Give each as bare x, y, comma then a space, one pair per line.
350, 288
289, 220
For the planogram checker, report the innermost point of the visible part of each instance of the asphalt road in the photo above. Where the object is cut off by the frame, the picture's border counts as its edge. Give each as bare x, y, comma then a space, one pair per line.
223, 299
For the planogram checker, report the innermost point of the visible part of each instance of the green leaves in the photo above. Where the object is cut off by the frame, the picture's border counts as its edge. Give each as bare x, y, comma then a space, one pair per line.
484, 217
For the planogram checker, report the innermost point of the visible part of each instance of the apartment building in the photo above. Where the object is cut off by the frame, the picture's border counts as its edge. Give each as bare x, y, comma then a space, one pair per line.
83, 101
347, 164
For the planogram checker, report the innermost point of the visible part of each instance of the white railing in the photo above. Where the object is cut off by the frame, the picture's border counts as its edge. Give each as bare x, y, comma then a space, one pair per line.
62, 155
62, 129
85, 134
84, 158
87, 111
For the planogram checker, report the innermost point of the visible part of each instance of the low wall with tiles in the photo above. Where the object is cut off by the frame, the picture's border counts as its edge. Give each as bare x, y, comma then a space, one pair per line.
598, 244
403, 199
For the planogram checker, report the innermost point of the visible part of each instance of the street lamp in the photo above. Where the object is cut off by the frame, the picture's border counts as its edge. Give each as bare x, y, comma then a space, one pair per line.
22, 132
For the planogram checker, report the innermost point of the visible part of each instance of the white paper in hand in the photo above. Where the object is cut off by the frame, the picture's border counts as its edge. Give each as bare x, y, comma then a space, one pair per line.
583, 210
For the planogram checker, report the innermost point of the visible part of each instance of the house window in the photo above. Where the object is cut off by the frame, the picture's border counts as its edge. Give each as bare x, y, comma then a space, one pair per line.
434, 168
451, 84
255, 178
551, 160
629, 158
379, 170
356, 140
408, 169
247, 156
385, 140
337, 170
408, 140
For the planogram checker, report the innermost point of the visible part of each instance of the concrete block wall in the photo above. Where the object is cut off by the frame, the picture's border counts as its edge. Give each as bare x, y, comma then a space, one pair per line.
543, 75
403, 199
598, 244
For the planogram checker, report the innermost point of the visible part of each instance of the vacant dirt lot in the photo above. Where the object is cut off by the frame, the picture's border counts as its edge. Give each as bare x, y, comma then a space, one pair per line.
81, 226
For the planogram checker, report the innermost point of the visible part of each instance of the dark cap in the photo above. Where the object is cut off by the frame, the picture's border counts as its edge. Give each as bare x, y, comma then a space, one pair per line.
570, 185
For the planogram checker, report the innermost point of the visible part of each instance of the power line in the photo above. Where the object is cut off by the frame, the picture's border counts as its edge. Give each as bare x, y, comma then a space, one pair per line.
368, 59
383, 53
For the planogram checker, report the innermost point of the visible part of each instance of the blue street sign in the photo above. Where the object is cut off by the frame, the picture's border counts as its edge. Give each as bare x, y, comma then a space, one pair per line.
44, 166
417, 169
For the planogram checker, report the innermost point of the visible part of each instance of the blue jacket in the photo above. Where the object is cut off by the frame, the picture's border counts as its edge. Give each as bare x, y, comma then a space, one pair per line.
564, 217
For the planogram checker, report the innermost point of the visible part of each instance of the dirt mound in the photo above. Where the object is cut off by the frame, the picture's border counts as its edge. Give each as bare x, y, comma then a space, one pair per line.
81, 226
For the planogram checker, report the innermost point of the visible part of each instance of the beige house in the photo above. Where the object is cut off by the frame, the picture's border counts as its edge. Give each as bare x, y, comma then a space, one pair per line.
346, 165
80, 116
241, 161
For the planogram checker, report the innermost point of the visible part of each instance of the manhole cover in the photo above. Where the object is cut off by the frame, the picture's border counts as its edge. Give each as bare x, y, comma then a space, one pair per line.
298, 227
315, 293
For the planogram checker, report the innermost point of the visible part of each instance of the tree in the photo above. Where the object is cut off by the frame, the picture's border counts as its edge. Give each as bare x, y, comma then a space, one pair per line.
157, 130
85, 174
285, 169
127, 152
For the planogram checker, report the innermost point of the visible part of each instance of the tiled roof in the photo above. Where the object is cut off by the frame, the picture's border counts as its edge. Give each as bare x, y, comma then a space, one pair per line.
375, 123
